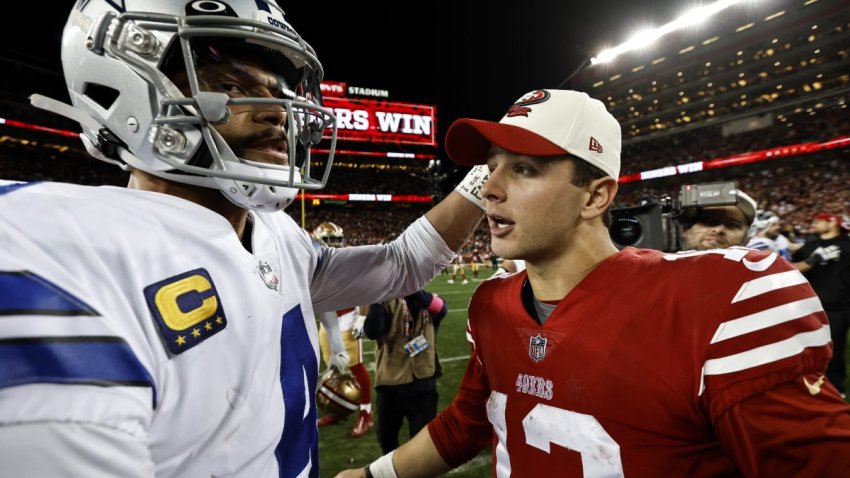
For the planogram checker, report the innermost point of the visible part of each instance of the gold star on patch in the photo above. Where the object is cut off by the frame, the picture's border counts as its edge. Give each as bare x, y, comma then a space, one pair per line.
180, 340
196, 333
208, 326
218, 320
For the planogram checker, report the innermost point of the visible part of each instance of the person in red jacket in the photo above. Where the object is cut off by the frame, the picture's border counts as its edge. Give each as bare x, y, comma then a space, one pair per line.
632, 363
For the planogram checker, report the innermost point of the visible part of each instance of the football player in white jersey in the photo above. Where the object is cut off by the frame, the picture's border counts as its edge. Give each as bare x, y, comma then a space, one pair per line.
341, 347
167, 329
765, 233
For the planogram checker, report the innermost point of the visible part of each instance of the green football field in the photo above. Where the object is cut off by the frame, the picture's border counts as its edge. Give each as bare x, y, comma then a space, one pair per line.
338, 450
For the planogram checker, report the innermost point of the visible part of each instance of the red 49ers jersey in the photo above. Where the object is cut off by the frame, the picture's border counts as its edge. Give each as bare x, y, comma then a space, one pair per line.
631, 372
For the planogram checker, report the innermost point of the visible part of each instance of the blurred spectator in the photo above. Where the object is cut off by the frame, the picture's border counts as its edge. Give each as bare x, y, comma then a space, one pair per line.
825, 261
718, 227
457, 266
764, 234
407, 362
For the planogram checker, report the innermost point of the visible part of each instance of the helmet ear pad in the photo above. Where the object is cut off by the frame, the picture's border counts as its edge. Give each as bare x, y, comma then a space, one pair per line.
338, 395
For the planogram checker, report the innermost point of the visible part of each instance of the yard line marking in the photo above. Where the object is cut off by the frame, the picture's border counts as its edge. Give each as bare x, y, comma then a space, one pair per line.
371, 365
454, 359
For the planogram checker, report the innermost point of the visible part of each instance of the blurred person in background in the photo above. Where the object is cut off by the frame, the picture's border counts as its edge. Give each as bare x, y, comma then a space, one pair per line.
457, 267
341, 347
407, 362
825, 261
475, 262
764, 233
718, 227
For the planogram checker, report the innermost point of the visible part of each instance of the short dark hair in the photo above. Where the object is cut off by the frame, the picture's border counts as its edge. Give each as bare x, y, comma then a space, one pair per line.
583, 174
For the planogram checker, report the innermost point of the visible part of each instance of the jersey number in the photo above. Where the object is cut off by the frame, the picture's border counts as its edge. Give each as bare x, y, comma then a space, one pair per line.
545, 425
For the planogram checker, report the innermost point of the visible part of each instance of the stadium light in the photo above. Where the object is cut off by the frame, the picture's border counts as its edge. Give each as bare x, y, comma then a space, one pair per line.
645, 38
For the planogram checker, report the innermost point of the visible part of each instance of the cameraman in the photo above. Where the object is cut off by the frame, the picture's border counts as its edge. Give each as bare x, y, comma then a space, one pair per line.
718, 227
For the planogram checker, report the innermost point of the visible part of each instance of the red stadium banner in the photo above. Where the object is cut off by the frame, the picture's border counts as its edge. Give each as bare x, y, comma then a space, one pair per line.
384, 121
738, 159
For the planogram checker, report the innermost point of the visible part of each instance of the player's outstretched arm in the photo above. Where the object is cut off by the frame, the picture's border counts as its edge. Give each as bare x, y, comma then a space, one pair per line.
416, 458
457, 216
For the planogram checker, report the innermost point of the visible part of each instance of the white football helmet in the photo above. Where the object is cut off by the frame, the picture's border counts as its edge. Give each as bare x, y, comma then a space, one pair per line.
765, 220
120, 59
329, 234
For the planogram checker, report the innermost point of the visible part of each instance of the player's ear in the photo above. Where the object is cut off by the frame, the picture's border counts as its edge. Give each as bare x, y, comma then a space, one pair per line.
600, 196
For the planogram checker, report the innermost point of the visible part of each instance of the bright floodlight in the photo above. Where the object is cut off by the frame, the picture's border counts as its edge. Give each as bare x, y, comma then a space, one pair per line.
647, 37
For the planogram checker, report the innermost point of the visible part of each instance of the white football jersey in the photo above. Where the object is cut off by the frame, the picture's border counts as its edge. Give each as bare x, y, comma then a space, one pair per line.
142, 315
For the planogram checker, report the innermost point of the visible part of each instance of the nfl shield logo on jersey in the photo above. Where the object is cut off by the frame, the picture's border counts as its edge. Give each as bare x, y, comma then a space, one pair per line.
537, 348
268, 275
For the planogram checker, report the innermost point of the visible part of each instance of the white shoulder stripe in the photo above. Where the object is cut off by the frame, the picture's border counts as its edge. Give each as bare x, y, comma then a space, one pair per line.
767, 318
765, 284
34, 326
767, 353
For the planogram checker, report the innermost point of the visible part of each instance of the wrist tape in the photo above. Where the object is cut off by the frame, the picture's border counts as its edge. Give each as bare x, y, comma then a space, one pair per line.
382, 467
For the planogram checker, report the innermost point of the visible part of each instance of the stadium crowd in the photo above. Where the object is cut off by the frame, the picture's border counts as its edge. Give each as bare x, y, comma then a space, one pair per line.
708, 143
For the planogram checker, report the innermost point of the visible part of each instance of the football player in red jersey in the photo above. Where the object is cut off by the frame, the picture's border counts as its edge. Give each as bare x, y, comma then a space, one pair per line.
632, 363
341, 346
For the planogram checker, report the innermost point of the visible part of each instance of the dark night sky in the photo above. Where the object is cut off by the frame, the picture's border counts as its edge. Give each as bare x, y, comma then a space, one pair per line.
469, 58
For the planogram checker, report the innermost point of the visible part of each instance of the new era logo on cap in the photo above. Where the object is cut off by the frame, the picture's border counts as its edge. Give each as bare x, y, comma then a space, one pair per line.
543, 123
594, 145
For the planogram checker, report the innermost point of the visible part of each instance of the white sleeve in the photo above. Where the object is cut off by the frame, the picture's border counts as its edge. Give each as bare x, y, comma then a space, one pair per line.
48, 449
349, 276
331, 323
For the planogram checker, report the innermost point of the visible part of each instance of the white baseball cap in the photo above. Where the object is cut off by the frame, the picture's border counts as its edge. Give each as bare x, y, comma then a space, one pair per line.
543, 123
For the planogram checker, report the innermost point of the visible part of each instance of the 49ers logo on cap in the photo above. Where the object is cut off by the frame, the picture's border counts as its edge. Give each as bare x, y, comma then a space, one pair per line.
520, 108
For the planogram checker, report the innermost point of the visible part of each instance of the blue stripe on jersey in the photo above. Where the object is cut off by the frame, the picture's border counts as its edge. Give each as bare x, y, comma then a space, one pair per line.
102, 361
299, 444
7, 188
24, 293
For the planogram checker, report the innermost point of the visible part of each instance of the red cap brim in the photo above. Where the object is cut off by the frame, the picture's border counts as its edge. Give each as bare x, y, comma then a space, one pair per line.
827, 217
468, 141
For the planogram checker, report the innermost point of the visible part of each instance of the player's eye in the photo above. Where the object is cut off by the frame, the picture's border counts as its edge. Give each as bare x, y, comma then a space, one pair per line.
232, 89
524, 170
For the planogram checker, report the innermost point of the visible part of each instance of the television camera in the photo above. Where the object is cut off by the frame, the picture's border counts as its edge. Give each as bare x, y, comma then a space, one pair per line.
657, 223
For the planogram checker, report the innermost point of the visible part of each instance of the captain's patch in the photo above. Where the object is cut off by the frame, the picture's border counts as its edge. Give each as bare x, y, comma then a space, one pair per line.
187, 309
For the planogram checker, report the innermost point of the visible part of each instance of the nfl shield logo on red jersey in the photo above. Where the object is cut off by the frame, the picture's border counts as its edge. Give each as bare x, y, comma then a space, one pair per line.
537, 348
